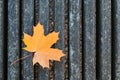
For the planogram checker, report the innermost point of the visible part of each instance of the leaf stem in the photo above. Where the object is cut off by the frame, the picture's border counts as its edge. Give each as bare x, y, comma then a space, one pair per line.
21, 58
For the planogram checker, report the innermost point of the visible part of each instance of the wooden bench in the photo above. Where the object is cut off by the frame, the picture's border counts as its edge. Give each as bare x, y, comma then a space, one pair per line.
89, 36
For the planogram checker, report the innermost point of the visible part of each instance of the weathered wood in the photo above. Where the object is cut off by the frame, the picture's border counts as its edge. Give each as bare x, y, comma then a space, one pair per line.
101, 57
89, 40
1, 39
44, 19
27, 27
59, 20
44, 14
13, 39
74, 40
103, 40
116, 40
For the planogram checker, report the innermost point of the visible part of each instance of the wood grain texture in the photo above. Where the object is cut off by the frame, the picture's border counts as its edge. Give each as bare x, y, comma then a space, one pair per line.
44, 14
74, 40
89, 40
104, 40
59, 21
1, 39
116, 40
27, 27
93, 33
44, 19
13, 39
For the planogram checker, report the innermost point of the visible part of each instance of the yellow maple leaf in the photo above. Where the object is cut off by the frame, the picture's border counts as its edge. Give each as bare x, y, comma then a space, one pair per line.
41, 45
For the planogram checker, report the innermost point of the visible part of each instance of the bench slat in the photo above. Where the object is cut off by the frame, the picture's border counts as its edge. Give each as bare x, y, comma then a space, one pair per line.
1, 39
13, 39
104, 40
27, 27
44, 19
116, 40
59, 20
74, 40
89, 40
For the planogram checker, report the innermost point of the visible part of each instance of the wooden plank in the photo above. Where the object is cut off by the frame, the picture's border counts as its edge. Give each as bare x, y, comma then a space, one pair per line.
13, 39
1, 39
44, 19
44, 14
103, 40
116, 40
27, 27
59, 68
89, 40
74, 40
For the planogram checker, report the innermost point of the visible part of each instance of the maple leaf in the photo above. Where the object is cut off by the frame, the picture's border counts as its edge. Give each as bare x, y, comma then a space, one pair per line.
41, 45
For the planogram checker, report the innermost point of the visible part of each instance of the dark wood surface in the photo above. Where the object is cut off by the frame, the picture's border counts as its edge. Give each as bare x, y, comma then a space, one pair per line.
89, 36
59, 21
13, 44
116, 40
74, 39
27, 23
43, 13
1, 39
89, 40
104, 40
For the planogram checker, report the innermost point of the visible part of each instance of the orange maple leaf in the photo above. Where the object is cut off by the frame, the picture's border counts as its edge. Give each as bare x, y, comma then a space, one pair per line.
41, 45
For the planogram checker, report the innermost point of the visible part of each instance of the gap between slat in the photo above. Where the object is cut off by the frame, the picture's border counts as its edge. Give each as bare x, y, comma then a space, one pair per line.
5, 65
